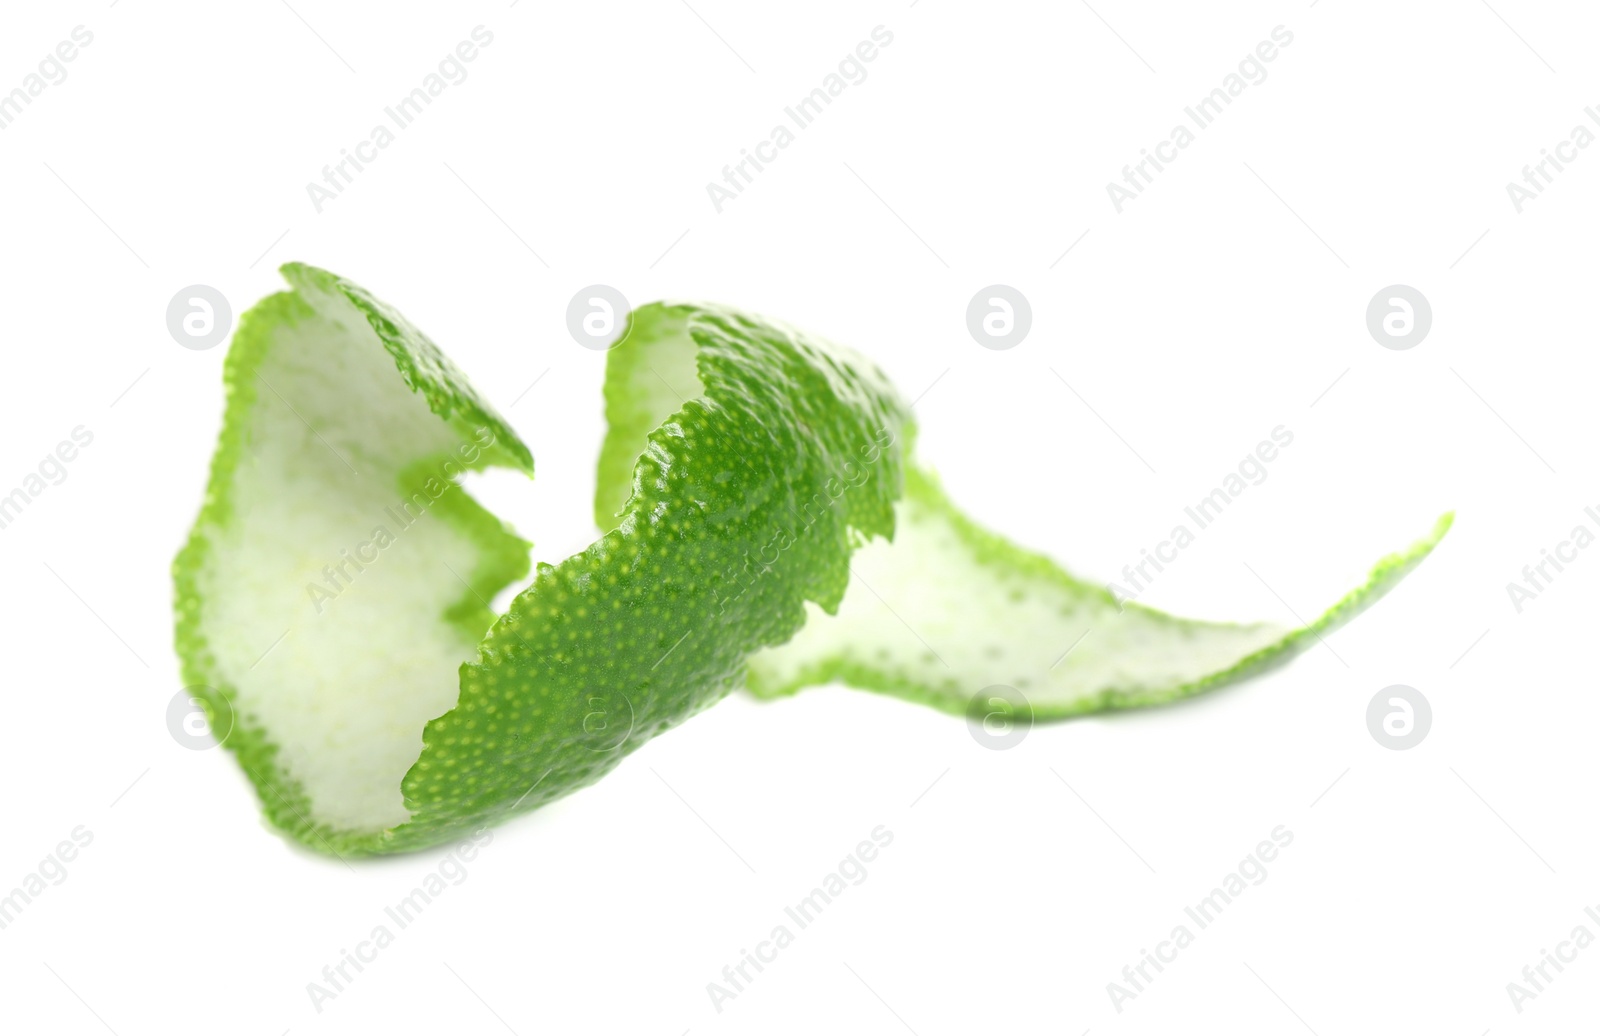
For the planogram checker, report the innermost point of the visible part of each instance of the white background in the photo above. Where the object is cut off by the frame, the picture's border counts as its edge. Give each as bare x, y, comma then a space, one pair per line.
1223, 302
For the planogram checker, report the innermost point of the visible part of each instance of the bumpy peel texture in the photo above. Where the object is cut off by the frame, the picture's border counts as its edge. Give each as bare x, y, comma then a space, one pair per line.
759, 508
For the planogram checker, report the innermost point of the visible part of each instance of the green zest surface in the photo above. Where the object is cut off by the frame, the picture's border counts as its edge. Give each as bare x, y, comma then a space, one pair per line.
760, 513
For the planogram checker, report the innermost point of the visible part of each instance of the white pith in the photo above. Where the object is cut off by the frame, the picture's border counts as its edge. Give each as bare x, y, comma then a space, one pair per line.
345, 693
928, 611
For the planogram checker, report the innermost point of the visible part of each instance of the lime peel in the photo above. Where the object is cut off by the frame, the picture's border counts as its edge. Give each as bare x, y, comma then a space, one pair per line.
760, 508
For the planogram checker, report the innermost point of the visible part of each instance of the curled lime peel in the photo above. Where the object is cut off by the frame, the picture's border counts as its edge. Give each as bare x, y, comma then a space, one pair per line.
759, 506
